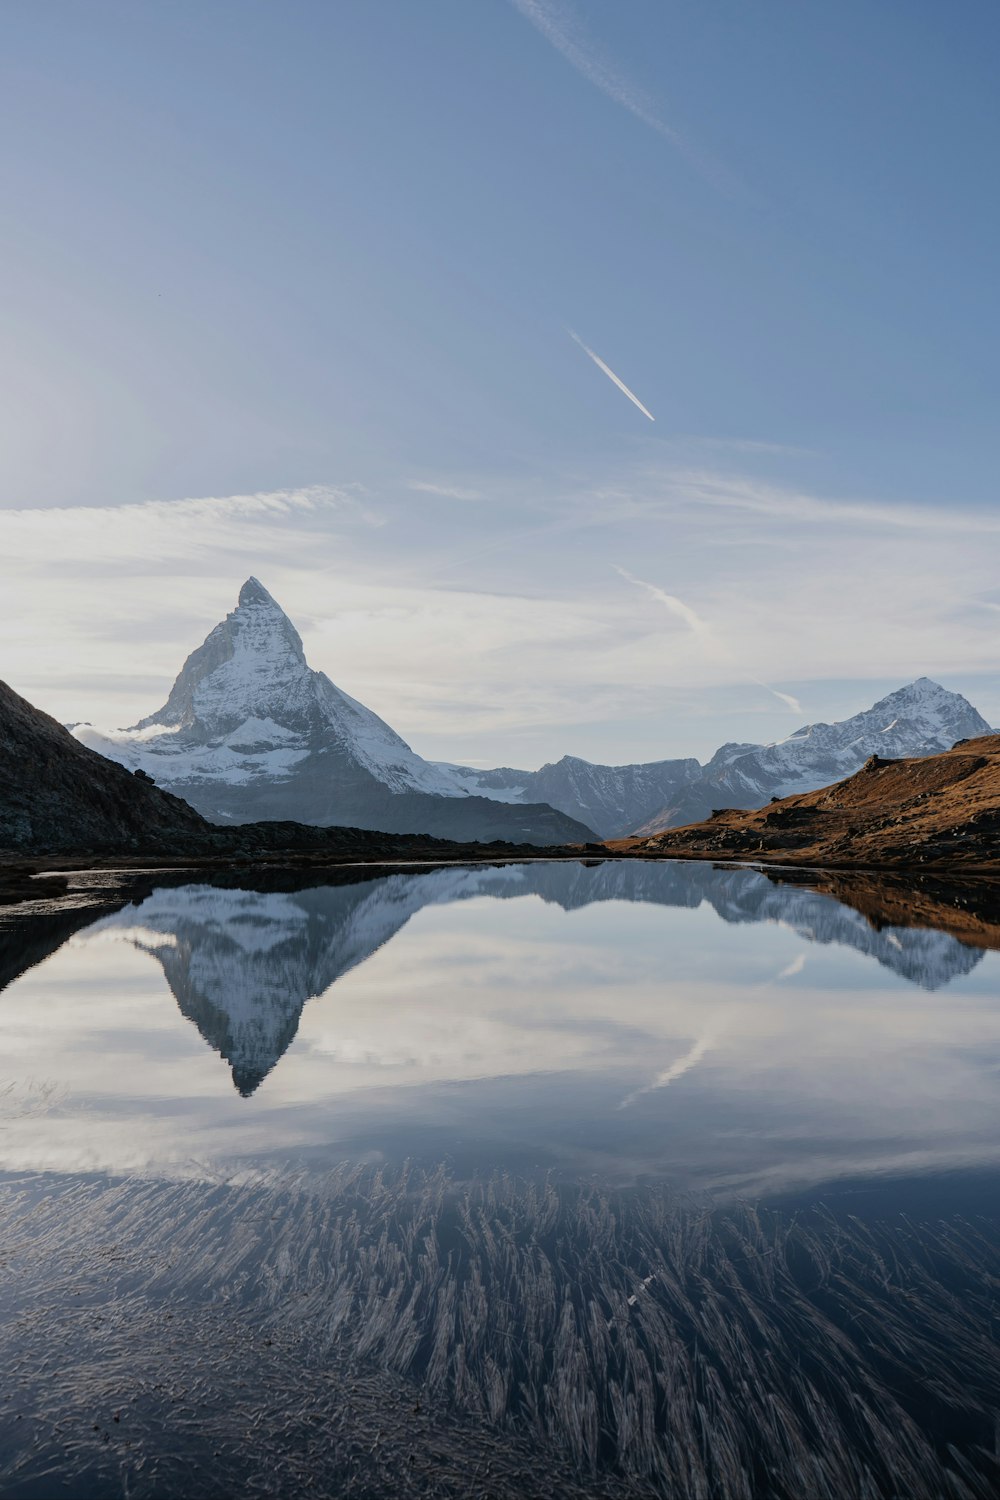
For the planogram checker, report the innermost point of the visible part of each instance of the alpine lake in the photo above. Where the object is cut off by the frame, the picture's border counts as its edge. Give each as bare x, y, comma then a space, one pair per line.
570, 1179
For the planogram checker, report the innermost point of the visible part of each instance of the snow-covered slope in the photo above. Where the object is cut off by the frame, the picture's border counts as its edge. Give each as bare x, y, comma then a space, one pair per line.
922, 718
247, 706
250, 732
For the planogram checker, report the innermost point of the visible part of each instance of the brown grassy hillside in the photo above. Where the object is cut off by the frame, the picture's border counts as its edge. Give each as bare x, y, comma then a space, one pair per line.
941, 811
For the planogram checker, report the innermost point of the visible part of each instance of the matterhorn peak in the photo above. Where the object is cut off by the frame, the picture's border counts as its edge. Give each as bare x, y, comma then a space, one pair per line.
254, 592
250, 731
249, 666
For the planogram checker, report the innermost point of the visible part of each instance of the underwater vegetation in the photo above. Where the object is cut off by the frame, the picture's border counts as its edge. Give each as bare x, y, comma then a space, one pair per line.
395, 1329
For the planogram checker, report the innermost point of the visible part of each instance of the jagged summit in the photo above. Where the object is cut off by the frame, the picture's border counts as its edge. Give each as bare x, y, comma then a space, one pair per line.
246, 707
250, 665
254, 592
921, 718
250, 731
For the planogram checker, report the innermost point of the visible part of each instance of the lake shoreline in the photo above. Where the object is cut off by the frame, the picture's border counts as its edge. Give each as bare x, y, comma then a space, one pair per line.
964, 903
34, 877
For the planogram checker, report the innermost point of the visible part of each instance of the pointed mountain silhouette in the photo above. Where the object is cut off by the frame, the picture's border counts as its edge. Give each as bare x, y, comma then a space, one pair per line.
250, 731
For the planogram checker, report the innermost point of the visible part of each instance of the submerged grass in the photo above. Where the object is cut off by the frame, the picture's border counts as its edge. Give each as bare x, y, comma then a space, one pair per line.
626, 1339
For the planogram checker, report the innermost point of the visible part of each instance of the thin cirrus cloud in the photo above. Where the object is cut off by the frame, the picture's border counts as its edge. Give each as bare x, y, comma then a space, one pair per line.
598, 361
160, 531
430, 653
563, 30
556, 21
736, 492
446, 491
104, 599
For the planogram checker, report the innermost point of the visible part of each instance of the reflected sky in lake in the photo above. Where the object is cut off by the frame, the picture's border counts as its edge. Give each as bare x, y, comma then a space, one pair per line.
705, 1027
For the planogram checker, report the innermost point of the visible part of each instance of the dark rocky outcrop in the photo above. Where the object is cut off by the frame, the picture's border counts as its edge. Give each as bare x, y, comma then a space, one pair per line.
56, 795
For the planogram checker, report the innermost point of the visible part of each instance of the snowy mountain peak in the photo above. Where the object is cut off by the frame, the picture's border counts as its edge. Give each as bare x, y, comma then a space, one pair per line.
924, 691
251, 731
251, 666
254, 592
922, 718
248, 706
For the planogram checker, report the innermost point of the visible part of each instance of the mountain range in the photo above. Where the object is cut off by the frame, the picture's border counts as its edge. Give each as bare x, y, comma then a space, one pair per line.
60, 798
251, 732
922, 718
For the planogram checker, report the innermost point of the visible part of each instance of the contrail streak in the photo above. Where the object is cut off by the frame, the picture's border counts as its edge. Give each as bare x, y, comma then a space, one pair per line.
676, 606
786, 698
702, 630
710, 1040
677, 1069
562, 28
598, 361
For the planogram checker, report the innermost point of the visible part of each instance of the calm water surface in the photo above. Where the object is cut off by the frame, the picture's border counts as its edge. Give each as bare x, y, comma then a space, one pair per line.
543, 1179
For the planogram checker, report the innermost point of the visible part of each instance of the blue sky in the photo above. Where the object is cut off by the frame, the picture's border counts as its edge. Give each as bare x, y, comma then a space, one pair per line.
338, 248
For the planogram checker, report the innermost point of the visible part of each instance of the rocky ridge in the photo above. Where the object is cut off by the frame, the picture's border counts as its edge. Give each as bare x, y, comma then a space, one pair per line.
614, 800
922, 718
56, 794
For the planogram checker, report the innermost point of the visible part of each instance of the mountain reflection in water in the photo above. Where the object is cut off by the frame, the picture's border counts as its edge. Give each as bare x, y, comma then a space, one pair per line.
478, 1205
595, 1018
242, 964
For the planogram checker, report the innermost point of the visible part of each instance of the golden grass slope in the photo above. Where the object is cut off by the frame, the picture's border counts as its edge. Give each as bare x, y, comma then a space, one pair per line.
942, 811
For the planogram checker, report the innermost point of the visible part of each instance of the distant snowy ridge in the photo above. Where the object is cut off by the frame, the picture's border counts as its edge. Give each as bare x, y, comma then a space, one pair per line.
922, 718
611, 799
